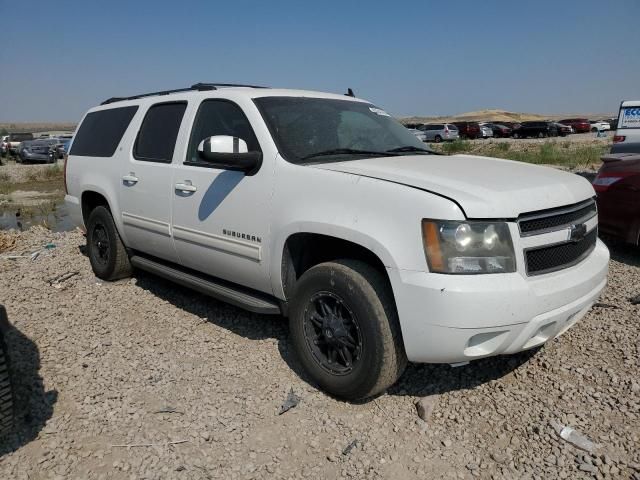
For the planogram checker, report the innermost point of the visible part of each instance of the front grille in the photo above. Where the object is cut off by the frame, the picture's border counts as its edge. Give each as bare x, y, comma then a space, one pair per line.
556, 219
541, 260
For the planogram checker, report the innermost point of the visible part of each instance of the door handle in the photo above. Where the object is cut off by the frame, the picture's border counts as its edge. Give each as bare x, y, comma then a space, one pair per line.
186, 187
130, 179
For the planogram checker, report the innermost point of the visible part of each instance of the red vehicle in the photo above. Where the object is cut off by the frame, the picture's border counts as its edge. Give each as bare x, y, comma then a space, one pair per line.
500, 130
468, 129
580, 125
618, 188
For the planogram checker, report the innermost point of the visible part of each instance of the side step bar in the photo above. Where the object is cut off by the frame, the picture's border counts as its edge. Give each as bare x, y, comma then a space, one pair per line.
235, 295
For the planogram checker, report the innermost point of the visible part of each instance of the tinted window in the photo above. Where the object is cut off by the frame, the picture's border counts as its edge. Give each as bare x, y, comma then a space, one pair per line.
436, 127
159, 131
220, 117
101, 132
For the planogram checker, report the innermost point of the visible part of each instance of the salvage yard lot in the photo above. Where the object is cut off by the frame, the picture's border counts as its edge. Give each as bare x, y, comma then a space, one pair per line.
143, 362
143, 379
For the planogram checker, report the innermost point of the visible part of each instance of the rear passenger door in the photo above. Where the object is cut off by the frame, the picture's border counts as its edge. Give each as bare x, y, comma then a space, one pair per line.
146, 184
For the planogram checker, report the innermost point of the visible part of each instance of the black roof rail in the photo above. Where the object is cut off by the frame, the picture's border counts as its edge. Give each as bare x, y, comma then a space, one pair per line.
196, 86
212, 86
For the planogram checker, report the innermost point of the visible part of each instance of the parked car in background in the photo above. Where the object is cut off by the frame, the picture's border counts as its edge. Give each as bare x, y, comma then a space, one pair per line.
579, 125
499, 130
4, 145
613, 122
617, 186
15, 139
599, 125
37, 150
418, 133
627, 137
468, 129
510, 125
536, 129
59, 150
563, 130
438, 132
486, 131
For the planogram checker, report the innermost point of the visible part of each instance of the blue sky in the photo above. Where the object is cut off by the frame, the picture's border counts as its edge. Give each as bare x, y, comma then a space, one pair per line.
428, 58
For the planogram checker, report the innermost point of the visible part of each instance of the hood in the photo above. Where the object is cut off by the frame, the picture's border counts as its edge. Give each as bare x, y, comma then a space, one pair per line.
484, 187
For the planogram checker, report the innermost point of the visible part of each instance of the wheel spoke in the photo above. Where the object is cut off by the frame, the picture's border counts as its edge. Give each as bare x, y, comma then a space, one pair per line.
324, 308
332, 355
316, 320
348, 358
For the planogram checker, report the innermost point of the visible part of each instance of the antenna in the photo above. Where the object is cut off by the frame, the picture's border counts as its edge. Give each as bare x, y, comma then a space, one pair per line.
350, 93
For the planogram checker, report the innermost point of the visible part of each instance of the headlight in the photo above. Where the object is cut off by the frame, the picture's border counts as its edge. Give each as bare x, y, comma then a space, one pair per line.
468, 247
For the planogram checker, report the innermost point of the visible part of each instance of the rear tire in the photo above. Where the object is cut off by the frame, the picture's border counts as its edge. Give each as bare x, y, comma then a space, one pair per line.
438, 139
107, 253
6, 390
345, 330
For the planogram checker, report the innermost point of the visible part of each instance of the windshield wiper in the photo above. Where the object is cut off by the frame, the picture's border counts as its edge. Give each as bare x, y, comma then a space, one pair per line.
347, 151
411, 148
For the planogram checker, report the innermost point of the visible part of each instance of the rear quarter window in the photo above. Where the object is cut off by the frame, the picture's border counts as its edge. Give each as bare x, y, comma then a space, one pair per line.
159, 131
101, 132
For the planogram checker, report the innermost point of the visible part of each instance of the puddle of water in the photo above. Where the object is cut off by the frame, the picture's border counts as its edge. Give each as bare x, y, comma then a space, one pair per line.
57, 219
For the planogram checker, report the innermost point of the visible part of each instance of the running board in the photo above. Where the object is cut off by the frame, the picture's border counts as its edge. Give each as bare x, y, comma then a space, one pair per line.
235, 295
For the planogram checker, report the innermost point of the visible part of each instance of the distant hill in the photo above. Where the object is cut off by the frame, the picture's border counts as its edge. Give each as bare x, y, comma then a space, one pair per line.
37, 127
496, 115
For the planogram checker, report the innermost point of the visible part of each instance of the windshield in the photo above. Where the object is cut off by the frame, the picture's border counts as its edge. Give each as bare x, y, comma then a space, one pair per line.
338, 130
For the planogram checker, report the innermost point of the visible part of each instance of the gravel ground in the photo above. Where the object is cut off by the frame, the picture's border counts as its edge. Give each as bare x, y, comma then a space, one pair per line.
194, 387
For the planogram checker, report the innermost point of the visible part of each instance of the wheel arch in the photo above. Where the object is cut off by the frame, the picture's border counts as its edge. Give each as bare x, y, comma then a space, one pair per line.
302, 249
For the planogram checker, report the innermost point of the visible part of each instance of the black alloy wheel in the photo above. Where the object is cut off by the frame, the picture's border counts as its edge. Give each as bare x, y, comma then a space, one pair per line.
332, 333
100, 244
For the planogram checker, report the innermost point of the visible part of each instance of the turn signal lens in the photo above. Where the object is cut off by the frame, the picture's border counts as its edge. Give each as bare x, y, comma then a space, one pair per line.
432, 245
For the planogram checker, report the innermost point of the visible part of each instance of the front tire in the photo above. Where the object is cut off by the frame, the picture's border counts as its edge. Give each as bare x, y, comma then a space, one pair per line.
107, 253
6, 391
345, 331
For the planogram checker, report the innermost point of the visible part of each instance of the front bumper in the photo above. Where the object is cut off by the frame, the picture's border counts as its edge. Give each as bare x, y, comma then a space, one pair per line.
455, 318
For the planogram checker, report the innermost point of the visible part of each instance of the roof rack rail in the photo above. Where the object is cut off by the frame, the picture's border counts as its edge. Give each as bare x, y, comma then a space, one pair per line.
212, 86
196, 86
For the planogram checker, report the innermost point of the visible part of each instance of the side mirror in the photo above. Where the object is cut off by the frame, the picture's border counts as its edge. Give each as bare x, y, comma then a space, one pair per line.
229, 153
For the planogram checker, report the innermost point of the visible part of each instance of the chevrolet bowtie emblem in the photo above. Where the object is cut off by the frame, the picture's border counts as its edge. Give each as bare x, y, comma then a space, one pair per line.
577, 232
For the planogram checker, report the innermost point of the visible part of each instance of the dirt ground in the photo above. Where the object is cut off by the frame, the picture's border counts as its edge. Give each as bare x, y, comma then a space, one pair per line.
142, 379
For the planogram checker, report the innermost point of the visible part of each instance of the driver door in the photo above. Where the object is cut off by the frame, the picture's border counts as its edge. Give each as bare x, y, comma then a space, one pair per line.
220, 218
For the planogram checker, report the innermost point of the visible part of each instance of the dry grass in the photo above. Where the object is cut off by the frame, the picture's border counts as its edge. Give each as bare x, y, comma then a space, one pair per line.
564, 153
7, 240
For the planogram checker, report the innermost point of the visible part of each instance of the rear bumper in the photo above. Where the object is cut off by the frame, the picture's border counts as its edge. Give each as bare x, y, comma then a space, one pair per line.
451, 319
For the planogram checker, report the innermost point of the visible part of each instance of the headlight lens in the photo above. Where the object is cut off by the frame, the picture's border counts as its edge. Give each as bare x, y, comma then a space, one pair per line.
468, 247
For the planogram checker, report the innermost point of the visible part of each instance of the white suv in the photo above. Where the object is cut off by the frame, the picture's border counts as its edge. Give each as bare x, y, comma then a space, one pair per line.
323, 208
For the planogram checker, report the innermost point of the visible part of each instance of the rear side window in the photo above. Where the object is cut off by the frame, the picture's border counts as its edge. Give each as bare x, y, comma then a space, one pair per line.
159, 132
101, 132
